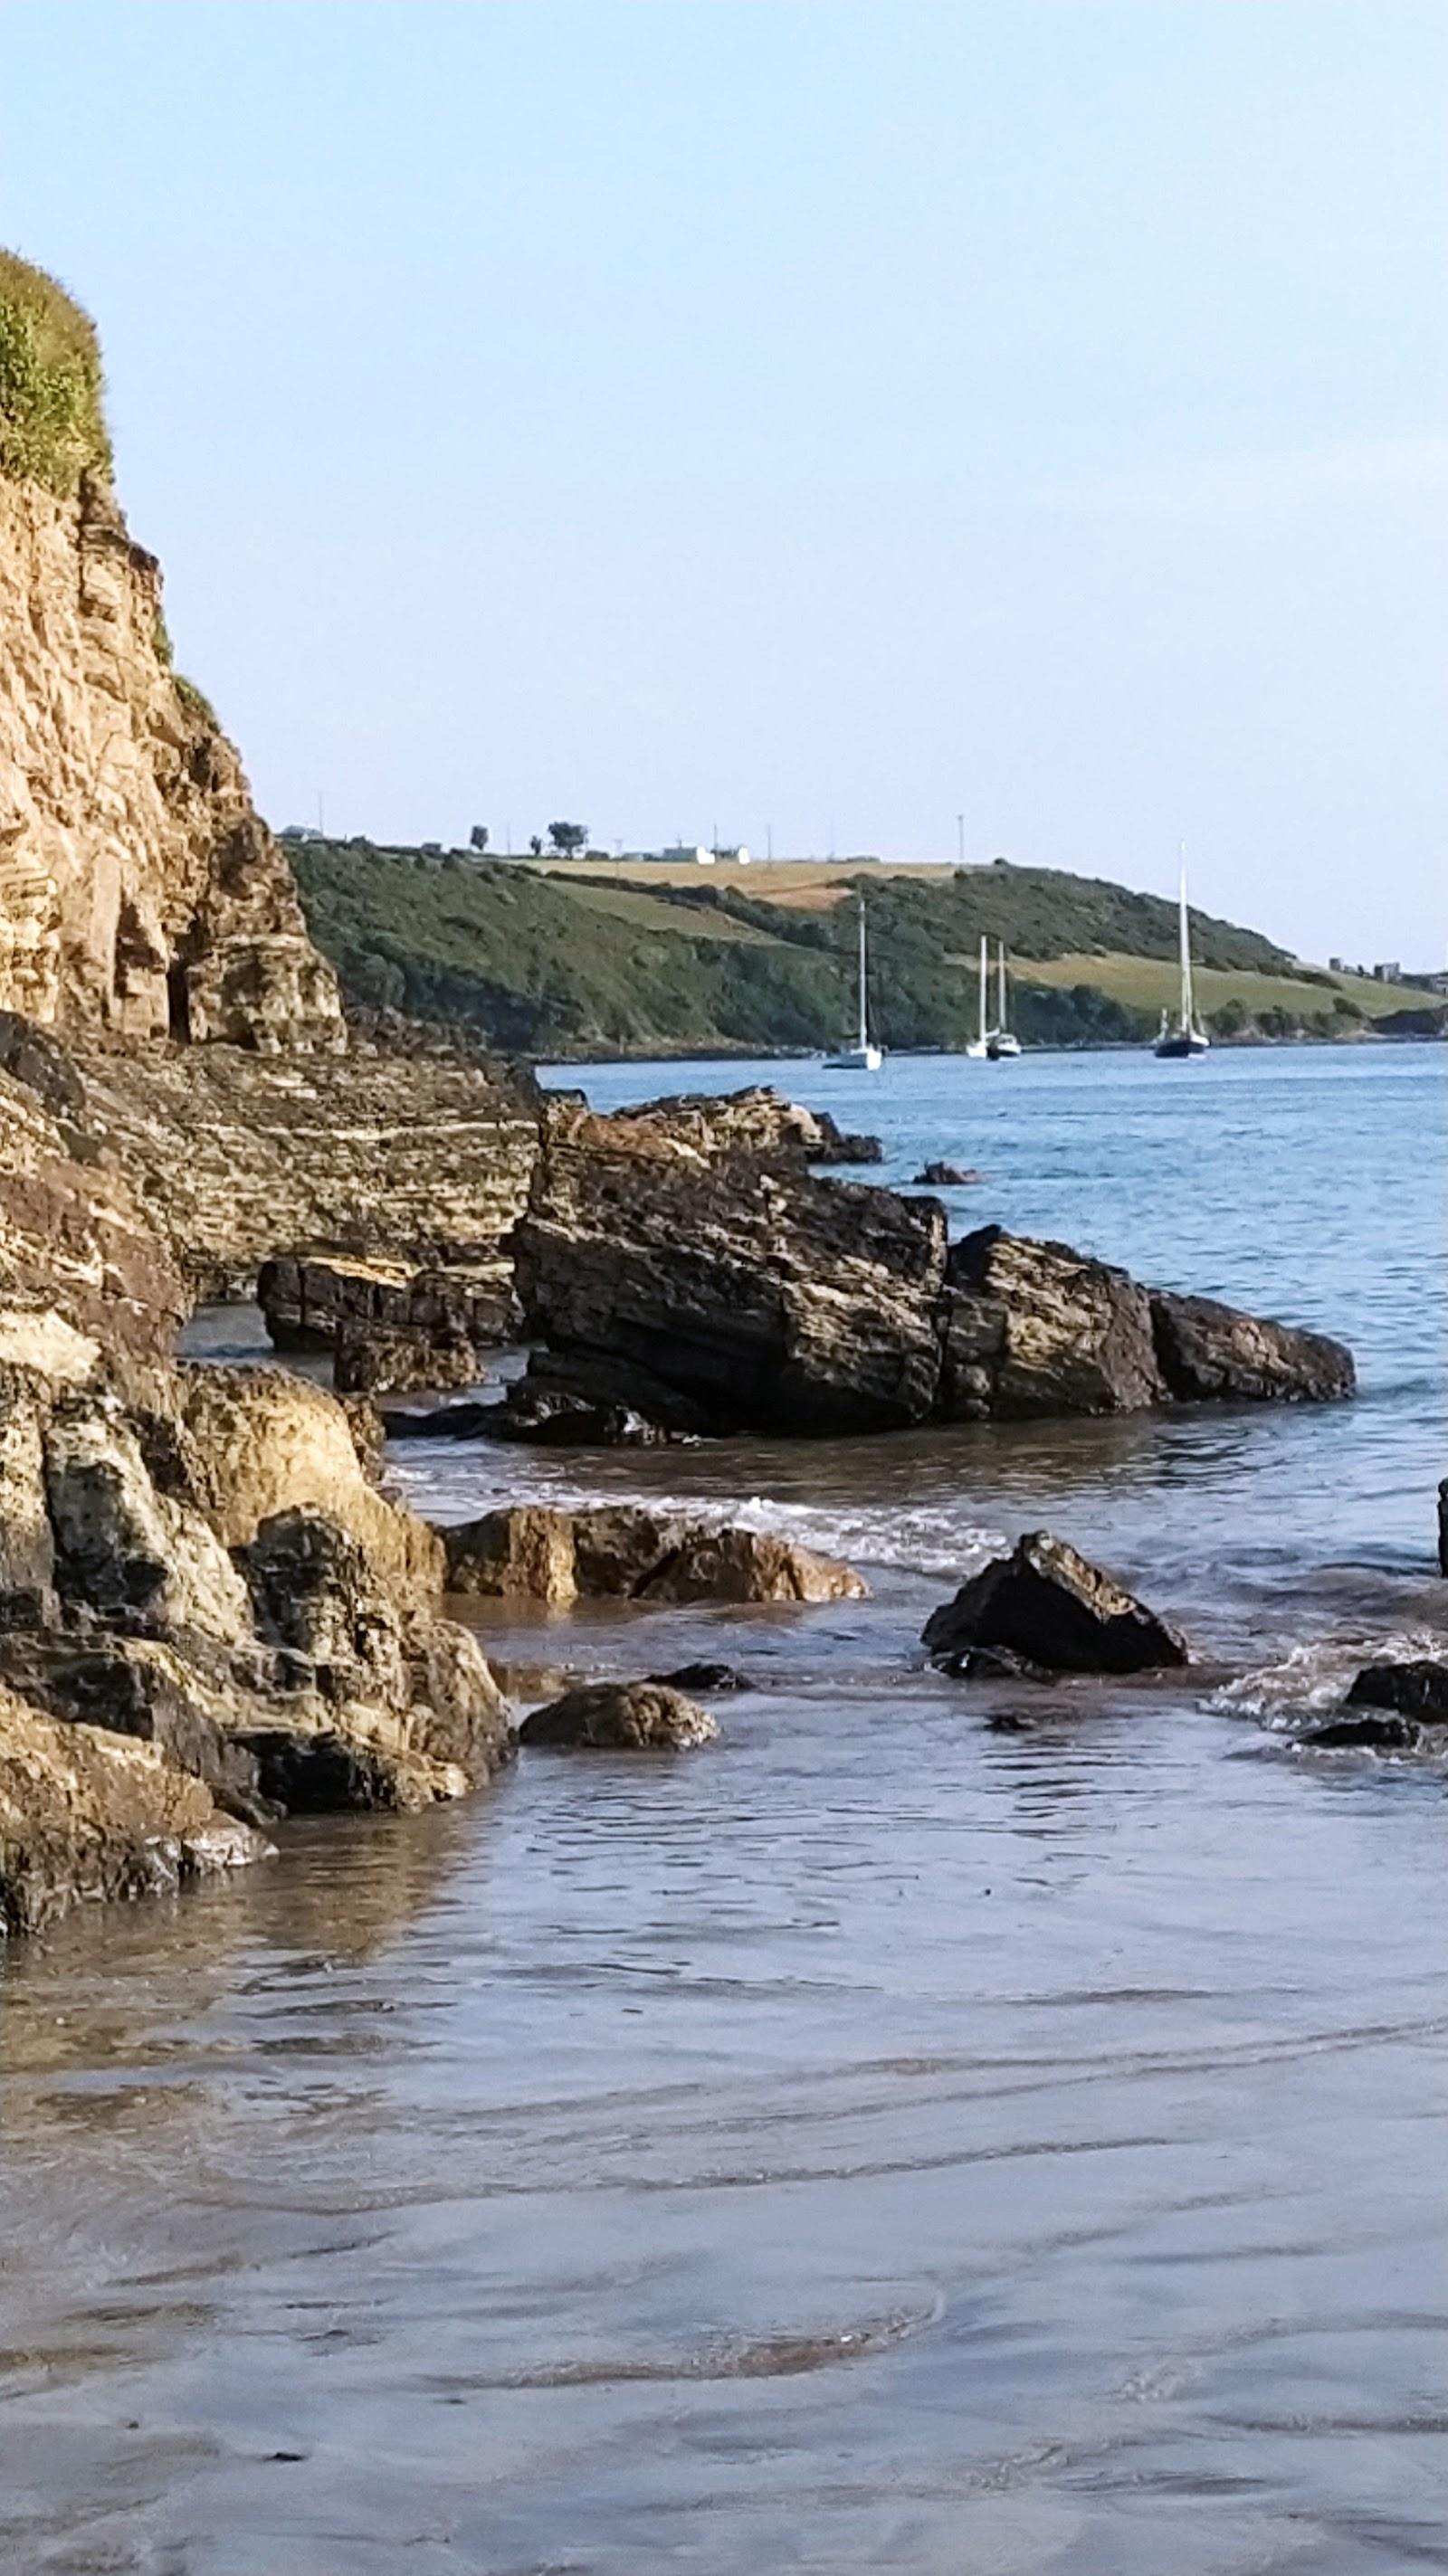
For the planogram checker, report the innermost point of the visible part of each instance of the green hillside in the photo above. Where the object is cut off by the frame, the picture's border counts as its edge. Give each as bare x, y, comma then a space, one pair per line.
576, 963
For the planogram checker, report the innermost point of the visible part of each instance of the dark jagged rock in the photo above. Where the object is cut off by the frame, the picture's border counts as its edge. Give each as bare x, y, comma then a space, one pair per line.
768, 1300
555, 1417
1035, 1328
994, 1664
1209, 1351
947, 1176
703, 1677
620, 1717
1365, 1735
1417, 1689
563, 1389
1045, 1602
463, 1421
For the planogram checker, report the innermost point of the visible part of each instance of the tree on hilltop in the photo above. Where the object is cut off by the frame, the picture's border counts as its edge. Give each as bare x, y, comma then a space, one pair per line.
478, 838
568, 838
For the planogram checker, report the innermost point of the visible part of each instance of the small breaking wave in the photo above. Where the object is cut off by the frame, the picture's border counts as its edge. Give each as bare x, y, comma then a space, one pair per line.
1293, 1696
936, 1539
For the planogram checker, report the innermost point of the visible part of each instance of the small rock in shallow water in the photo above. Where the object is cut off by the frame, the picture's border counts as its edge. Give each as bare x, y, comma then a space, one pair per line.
947, 1176
1416, 1689
1045, 1602
994, 1664
1367, 1734
620, 1717
703, 1677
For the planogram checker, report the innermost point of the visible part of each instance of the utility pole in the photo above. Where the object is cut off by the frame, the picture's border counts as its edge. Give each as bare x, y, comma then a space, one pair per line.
769, 842
960, 840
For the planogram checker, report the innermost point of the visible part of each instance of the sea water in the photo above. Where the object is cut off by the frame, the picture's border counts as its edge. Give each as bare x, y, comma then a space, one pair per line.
939, 2128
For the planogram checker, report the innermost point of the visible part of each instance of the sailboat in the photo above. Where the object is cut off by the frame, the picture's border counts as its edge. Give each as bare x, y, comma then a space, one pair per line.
1002, 1042
980, 1046
1186, 1037
864, 1056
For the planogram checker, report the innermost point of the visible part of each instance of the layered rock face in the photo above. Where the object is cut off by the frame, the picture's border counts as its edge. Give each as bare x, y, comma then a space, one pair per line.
139, 890
369, 1167
720, 1292
760, 1295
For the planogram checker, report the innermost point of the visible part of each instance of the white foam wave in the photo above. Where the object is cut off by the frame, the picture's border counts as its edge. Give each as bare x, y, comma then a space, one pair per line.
938, 1540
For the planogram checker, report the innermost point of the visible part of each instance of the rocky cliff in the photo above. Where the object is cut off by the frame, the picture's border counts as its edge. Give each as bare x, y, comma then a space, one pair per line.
139, 889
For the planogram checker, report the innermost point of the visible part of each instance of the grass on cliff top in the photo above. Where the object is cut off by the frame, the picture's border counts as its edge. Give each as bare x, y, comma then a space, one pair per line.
52, 418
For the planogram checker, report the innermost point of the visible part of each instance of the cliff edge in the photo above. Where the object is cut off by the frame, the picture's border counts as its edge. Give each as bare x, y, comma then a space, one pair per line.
139, 889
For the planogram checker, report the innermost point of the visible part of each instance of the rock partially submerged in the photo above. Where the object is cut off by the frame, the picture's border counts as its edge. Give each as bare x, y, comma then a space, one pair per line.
756, 1122
1416, 1689
85, 1815
662, 1274
1046, 1603
1210, 1352
535, 1552
947, 1176
620, 1717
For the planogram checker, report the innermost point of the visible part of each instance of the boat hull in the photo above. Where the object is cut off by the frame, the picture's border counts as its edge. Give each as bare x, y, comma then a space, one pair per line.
865, 1059
1179, 1045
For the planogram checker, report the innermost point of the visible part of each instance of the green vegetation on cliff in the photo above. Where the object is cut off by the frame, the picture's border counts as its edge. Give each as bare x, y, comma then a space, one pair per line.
572, 964
52, 421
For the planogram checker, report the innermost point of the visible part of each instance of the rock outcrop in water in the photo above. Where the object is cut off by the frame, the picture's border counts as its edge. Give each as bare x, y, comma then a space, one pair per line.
719, 1293
1045, 1603
619, 1717
620, 1552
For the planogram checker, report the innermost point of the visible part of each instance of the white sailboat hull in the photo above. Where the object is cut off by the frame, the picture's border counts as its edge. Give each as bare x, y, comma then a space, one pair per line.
856, 1059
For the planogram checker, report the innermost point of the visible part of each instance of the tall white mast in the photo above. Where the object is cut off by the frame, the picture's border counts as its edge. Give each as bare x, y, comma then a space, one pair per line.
1001, 988
864, 1038
1188, 1005
984, 984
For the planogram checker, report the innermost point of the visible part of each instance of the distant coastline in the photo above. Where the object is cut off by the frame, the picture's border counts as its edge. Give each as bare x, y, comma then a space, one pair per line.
592, 962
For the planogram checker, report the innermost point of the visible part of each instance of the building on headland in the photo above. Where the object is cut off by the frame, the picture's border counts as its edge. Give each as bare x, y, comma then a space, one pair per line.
1390, 972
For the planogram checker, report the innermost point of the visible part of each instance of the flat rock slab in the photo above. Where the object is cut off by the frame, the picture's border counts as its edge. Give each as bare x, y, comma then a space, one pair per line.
620, 1717
1047, 1604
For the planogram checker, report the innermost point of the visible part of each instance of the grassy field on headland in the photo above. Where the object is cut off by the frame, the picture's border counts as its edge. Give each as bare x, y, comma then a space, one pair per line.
599, 960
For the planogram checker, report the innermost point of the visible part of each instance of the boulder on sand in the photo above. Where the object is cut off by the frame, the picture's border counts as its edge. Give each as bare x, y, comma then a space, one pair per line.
620, 1717
1046, 1603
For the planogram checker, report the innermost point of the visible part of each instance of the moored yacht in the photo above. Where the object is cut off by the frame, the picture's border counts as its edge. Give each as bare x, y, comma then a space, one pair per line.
1002, 1042
1177, 1040
864, 1056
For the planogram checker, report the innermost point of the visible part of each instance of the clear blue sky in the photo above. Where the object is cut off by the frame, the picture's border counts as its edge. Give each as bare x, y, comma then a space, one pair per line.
792, 412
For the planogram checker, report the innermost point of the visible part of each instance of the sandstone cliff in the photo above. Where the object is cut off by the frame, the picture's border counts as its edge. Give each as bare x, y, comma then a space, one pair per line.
139, 890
